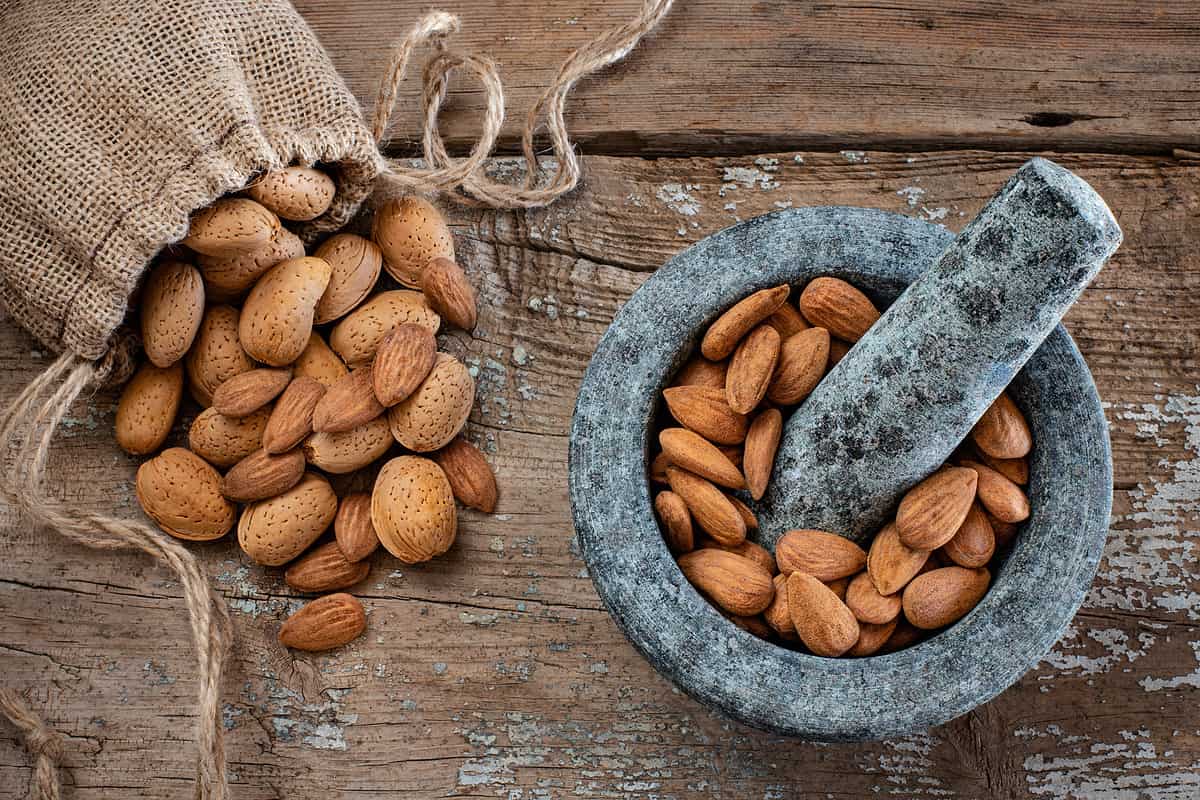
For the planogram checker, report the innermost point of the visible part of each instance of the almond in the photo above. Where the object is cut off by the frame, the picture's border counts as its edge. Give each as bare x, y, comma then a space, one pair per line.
347, 451
710, 508
182, 493
354, 264
746, 549
276, 530
247, 392
734, 583
974, 543
412, 508
747, 515
822, 621
325, 623
449, 293
291, 420
404, 359
788, 321
147, 408
867, 604
261, 475
904, 635
434, 414
223, 441
942, 596
227, 278
357, 336
171, 309
802, 362
347, 404
676, 521
891, 563
706, 411
353, 529
230, 226
1002, 498
838, 307
838, 587
471, 478
702, 372
724, 334
324, 569
1002, 431
837, 351
319, 362
1015, 469
411, 233
658, 468
872, 638
1004, 532
758, 457
277, 317
933, 510
777, 615
216, 354
751, 368
299, 194
825, 556
752, 625
690, 451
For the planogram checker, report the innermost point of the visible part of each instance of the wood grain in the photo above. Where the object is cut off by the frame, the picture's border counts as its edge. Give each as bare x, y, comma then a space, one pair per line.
720, 77
495, 672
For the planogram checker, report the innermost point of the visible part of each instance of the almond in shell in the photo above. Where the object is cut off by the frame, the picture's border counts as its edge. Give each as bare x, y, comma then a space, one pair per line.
354, 264
403, 360
822, 621
261, 475
230, 226
319, 362
182, 493
826, 556
295, 193
147, 408
347, 404
291, 419
723, 335
276, 530
706, 411
347, 451
891, 563
277, 317
449, 293
676, 521
411, 233
216, 354
412, 508
471, 477
709, 506
942, 596
694, 453
325, 623
838, 307
758, 457
171, 309
751, 368
324, 569
357, 336
247, 392
734, 583
933, 510
224, 441
434, 414
227, 278
352, 527
802, 362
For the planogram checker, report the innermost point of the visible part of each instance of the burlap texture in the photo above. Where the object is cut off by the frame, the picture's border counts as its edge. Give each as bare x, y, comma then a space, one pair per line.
118, 118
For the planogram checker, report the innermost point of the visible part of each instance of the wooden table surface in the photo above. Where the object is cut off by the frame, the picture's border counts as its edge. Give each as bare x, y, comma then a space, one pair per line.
495, 672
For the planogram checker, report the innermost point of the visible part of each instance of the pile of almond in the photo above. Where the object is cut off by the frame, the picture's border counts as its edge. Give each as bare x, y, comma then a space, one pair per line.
305, 367
922, 572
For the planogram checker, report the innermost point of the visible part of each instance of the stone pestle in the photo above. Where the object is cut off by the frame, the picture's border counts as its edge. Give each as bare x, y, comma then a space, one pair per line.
897, 405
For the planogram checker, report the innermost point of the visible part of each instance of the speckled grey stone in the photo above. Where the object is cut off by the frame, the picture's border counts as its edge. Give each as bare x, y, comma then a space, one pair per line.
1036, 590
896, 406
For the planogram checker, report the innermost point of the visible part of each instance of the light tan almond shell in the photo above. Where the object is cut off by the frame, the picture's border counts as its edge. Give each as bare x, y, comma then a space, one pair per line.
411, 232
868, 604
723, 335
702, 372
230, 226
277, 317
354, 264
826, 556
227, 278
224, 441
777, 615
710, 508
838, 307
1002, 498
247, 392
347, 404
470, 475
891, 563
689, 450
403, 360
676, 521
299, 194
706, 411
942, 596
341, 453
935, 508
734, 583
758, 457
872, 638
751, 368
412, 508
261, 475
746, 549
803, 359
291, 420
449, 292
353, 529
276, 530
319, 362
171, 309
325, 623
975, 543
182, 493
822, 621
788, 321
357, 336
147, 409
216, 354
434, 414
324, 569
1002, 431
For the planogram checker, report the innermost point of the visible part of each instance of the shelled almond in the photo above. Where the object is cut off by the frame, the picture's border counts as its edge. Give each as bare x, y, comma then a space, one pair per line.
308, 366
728, 406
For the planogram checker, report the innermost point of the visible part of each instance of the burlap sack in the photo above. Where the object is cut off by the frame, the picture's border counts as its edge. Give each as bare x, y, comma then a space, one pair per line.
118, 119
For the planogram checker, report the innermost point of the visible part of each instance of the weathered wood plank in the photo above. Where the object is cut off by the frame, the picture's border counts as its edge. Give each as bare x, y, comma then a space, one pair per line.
721, 77
495, 671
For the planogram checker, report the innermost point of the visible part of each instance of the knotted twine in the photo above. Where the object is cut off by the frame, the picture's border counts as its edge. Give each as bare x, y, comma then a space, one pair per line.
28, 426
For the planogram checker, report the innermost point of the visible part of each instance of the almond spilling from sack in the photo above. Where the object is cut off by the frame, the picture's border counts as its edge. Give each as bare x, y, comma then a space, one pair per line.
308, 364
725, 414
